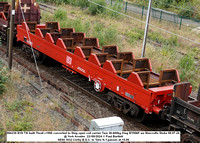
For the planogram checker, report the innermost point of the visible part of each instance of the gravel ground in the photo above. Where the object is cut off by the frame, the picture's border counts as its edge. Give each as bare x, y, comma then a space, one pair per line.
44, 108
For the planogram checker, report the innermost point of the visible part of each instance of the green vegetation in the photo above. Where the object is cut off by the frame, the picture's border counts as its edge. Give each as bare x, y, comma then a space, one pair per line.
78, 25
21, 112
96, 9
136, 34
18, 117
92, 8
187, 69
81, 3
187, 8
3, 78
2, 133
17, 105
60, 14
20, 123
106, 36
117, 6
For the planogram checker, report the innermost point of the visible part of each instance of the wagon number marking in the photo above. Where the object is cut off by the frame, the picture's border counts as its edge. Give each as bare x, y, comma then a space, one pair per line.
69, 60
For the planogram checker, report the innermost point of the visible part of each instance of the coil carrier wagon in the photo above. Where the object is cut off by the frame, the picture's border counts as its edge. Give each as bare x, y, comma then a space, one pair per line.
134, 87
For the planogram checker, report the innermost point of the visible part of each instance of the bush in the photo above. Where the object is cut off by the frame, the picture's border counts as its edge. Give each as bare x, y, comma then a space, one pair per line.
97, 9
118, 6
187, 10
82, 3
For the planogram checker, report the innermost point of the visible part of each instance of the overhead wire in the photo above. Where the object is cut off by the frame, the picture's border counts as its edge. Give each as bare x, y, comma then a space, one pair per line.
29, 39
145, 23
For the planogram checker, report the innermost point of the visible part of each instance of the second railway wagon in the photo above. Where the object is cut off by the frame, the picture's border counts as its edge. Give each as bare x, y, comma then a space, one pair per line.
184, 113
30, 9
133, 87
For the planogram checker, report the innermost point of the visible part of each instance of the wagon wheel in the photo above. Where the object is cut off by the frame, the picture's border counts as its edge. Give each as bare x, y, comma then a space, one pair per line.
187, 138
109, 99
141, 116
40, 57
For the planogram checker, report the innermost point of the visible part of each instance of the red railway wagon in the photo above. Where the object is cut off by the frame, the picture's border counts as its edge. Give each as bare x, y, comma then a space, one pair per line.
133, 85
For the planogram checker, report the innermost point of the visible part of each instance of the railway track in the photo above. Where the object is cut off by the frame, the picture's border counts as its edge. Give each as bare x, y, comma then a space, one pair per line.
86, 90
63, 105
47, 8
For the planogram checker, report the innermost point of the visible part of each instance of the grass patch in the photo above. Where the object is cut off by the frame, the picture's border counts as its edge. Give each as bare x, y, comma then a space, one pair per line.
20, 123
3, 78
60, 15
21, 111
134, 34
155, 36
18, 105
168, 51
106, 36
188, 69
2, 134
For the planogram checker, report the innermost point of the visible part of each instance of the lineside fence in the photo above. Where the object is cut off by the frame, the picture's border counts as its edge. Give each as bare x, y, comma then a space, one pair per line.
158, 14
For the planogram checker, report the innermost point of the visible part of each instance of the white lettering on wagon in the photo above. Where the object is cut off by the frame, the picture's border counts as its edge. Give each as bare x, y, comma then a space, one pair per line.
69, 60
129, 95
80, 69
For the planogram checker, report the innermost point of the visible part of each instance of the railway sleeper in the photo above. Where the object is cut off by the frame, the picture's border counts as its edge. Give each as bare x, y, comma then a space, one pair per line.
88, 87
84, 84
